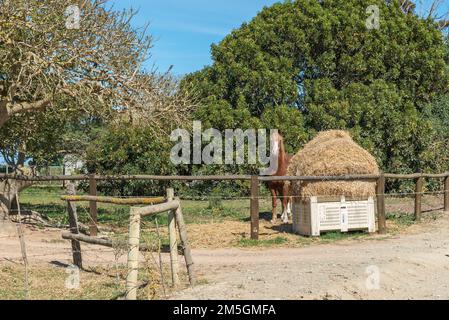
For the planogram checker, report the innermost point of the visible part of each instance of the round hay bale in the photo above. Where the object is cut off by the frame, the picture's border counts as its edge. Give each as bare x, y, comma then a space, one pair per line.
333, 153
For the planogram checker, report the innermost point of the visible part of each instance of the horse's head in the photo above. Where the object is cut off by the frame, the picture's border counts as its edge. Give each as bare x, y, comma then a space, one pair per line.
277, 144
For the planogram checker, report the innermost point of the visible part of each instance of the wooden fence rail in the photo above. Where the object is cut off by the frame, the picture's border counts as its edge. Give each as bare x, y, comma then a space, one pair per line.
99, 241
220, 177
87, 239
112, 200
123, 178
163, 207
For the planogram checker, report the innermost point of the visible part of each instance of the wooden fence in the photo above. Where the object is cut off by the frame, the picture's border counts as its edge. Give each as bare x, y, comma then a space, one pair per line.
154, 206
255, 182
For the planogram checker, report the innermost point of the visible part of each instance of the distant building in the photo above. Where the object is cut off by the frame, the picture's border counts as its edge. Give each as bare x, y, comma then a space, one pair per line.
72, 164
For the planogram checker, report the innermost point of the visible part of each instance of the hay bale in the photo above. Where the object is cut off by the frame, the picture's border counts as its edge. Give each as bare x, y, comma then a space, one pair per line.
333, 153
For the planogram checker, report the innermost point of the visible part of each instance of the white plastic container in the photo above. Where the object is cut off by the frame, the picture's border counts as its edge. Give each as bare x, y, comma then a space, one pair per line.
313, 216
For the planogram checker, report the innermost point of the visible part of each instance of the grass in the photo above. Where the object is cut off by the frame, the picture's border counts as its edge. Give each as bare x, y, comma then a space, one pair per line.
338, 236
46, 201
301, 241
245, 243
401, 218
49, 282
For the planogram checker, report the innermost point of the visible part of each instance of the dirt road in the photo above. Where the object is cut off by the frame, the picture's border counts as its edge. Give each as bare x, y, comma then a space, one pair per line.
411, 266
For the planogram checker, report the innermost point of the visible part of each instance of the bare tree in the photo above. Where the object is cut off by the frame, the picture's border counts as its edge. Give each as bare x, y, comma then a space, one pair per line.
81, 57
43, 58
438, 10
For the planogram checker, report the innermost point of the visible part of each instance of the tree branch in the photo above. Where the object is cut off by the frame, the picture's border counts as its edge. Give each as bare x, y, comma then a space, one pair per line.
29, 106
444, 24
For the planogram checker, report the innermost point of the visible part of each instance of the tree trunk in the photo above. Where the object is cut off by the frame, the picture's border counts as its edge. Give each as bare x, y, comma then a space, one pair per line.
8, 191
4, 116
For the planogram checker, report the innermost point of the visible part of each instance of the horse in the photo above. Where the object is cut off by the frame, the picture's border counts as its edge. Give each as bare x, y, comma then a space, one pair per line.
280, 188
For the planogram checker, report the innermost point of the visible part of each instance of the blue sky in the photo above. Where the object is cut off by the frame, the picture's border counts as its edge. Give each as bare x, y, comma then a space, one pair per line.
185, 29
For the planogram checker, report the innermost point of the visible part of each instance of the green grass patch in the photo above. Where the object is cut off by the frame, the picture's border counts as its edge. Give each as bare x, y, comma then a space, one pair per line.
337, 236
401, 218
244, 242
47, 201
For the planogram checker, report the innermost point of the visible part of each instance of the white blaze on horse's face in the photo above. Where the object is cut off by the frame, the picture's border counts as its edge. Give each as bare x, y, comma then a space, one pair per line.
275, 151
275, 148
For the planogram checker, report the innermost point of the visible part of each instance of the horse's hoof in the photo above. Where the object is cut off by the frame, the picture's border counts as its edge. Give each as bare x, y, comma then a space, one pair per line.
273, 221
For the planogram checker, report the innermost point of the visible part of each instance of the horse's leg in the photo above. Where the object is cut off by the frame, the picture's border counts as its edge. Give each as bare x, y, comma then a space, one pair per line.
274, 205
290, 206
285, 203
290, 201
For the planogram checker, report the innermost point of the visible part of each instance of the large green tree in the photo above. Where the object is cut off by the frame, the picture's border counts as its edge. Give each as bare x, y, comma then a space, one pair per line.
319, 59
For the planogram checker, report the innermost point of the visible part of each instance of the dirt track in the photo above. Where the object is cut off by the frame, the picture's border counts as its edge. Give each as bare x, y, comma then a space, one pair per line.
412, 266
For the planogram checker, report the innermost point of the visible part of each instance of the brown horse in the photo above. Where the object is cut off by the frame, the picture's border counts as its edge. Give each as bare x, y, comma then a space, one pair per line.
280, 188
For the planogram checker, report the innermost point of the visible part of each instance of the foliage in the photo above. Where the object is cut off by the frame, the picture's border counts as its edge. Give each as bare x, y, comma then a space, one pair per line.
47, 136
317, 64
121, 149
290, 123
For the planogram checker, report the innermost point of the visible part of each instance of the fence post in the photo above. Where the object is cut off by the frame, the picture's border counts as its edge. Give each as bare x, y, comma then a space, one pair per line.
73, 222
446, 195
185, 244
63, 173
133, 254
173, 241
418, 198
255, 207
93, 206
381, 216
22, 246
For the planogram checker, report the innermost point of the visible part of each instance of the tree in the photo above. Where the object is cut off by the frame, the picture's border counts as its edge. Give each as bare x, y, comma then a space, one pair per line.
45, 58
64, 61
320, 59
122, 149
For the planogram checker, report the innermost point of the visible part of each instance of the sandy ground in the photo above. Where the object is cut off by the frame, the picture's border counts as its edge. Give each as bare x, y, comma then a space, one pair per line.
46, 246
412, 266
406, 266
